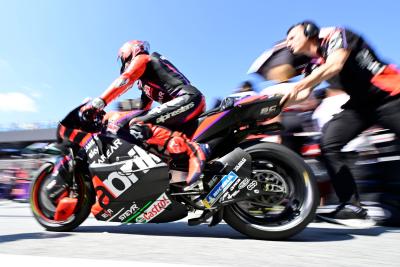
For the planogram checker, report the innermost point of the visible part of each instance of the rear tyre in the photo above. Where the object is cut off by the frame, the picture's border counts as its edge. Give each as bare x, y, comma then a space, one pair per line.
290, 209
43, 207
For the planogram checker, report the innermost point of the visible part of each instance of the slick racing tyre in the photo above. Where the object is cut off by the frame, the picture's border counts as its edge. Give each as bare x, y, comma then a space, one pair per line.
43, 207
280, 213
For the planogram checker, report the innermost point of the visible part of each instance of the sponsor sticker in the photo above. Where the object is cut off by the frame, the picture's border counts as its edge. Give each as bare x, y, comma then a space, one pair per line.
229, 195
90, 144
252, 185
269, 109
244, 183
154, 209
133, 208
219, 189
240, 164
234, 185
212, 181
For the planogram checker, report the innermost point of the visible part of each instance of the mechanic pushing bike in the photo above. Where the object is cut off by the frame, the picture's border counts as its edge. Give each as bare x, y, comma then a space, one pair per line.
341, 56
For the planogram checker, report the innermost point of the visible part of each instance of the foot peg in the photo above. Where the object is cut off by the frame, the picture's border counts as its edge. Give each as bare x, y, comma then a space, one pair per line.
217, 218
202, 219
216, 214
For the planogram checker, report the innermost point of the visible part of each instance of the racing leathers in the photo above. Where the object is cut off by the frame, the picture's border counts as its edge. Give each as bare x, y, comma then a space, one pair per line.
181, 103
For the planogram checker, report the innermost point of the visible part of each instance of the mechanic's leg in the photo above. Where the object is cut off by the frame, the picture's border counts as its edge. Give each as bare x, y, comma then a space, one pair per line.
344, 127
388, 116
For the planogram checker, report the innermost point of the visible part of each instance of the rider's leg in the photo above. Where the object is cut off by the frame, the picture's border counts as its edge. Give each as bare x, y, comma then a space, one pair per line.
174, 143
181, 110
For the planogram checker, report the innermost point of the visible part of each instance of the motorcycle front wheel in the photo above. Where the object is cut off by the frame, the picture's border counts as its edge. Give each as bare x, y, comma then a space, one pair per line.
43, 207
290, 199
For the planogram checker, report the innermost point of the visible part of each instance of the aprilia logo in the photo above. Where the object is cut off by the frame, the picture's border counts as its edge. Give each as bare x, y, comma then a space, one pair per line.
117, 182
143, 160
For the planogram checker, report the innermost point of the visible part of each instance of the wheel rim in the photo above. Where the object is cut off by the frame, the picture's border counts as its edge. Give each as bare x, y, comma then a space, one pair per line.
288, 206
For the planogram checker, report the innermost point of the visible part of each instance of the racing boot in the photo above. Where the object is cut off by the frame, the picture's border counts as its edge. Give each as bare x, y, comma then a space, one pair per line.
175, 143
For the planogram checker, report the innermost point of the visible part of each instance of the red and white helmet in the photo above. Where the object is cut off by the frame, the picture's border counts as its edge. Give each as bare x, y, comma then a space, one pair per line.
131, 49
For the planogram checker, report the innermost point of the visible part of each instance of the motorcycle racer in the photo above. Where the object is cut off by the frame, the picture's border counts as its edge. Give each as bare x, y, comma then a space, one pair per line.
160, 81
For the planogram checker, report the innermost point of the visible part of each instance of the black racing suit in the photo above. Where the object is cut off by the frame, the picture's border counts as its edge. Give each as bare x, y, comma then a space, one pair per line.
181, 102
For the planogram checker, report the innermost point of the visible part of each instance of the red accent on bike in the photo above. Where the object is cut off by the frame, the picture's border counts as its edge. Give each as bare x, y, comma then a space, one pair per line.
388, 80
96, 209
63, 195
65, 208
106, 200
85, 139
97, 182
311, 150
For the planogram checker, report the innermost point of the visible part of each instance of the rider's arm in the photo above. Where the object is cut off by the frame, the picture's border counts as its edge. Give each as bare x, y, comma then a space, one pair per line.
135, 69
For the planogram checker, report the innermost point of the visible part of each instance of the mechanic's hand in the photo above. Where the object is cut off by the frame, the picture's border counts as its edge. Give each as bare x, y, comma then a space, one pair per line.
288, 97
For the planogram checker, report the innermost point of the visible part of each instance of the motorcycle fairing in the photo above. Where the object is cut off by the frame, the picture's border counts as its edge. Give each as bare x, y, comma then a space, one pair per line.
154, 209
246, 110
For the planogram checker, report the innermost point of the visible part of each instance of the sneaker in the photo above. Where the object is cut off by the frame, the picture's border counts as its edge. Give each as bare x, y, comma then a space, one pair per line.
349, 215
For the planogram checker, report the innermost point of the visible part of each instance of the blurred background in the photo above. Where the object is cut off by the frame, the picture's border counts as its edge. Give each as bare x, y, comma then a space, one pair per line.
54, 54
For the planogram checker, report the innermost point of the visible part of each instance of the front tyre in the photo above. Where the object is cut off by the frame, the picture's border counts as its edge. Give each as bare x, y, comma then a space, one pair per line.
290, 199
44, 207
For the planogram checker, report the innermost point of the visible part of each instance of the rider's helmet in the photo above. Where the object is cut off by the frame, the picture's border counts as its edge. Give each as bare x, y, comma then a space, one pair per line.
131, 49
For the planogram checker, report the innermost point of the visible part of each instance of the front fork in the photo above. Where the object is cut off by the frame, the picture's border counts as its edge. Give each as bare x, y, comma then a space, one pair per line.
63, 178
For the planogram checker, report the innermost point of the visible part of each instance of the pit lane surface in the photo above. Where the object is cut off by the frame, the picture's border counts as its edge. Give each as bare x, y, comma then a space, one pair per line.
321, 244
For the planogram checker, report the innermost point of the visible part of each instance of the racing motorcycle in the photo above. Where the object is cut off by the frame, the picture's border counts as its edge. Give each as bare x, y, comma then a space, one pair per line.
263, 190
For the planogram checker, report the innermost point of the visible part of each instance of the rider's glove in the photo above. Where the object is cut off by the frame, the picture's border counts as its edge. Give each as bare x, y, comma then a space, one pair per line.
92, 109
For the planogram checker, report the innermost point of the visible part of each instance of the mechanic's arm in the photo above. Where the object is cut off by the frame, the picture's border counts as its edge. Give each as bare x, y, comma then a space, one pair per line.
333, 65
133, 72
302, 89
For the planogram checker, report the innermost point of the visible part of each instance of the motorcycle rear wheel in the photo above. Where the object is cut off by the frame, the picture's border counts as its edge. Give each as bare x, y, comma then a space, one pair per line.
279, 216
44, 209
